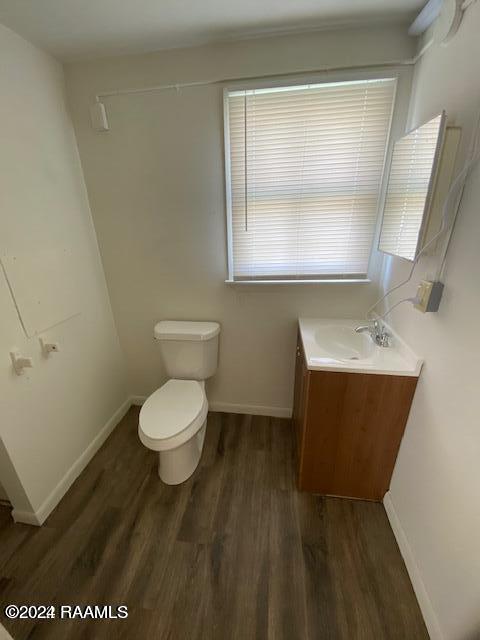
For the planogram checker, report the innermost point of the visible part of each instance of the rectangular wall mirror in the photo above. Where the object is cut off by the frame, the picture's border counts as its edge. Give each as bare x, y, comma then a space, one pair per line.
410, 187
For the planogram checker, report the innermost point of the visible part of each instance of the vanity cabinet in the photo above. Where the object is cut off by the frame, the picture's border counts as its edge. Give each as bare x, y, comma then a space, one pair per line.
348, 429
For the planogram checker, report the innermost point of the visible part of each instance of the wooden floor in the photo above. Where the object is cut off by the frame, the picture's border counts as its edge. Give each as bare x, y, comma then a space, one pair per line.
234, 553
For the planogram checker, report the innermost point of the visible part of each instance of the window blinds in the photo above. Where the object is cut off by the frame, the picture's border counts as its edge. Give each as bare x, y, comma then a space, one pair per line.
408, 188
304, 166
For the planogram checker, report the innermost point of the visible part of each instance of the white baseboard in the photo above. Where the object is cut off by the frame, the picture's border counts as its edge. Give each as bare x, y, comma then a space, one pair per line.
227, 407
418, 585
251, 409
38, 517
26, 517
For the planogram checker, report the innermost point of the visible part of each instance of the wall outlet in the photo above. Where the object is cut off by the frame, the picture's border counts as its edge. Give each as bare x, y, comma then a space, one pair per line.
429, 295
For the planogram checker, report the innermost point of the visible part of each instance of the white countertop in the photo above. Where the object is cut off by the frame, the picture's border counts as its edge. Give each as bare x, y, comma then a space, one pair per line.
331, 344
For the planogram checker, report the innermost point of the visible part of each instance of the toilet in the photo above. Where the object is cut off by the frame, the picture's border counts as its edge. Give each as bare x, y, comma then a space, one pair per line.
173, 420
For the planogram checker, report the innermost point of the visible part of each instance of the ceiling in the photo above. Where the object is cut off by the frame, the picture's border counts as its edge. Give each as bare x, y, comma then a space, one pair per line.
72, 29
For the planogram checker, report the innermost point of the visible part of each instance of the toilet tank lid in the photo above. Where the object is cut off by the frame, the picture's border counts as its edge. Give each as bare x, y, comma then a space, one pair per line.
186, 330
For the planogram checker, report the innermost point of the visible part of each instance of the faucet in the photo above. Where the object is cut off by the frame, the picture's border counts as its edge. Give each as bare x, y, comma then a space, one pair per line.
376, 331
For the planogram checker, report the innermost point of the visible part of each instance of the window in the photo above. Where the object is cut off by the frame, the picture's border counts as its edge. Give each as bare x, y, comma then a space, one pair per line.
304, 166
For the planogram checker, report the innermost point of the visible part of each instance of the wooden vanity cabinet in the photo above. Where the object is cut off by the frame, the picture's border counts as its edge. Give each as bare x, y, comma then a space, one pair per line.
348, 429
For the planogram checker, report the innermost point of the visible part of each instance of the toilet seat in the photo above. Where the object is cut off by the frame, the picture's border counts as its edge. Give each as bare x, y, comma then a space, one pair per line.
172, 414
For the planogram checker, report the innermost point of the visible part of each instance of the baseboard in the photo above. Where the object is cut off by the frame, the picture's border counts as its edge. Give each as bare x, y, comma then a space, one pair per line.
418, 585
251, 409
26, 517
38, 517
227, 407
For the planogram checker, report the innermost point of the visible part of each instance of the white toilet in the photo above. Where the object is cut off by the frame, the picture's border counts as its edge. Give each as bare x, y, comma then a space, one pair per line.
173, 419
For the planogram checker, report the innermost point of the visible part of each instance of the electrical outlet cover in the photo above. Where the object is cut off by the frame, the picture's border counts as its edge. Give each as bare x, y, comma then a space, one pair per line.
429, 295
423, 294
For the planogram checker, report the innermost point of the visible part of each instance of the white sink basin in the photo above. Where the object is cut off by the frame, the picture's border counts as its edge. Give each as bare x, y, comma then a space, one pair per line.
341, 342
333, 345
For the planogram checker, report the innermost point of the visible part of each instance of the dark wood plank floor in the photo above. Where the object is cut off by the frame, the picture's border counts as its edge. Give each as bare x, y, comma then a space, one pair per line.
234, 553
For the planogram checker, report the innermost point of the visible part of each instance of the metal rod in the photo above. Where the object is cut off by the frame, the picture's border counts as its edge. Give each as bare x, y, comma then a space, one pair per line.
270, 76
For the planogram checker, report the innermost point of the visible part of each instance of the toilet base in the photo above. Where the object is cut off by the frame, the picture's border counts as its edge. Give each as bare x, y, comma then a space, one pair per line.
177, 465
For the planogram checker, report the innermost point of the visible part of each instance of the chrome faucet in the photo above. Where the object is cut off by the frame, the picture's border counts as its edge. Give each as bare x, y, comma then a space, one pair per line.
376, 331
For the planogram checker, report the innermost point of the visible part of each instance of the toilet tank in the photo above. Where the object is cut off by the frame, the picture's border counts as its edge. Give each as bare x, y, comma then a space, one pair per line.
189, 349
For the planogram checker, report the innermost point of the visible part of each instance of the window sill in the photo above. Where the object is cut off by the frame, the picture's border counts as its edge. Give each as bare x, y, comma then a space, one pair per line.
283, 282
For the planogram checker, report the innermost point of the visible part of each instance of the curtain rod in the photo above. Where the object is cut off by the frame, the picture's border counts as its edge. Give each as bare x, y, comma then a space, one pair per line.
219, 81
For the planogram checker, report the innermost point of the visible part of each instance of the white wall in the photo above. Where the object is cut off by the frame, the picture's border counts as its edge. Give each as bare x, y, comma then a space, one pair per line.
54, 412
437, 476
156, 187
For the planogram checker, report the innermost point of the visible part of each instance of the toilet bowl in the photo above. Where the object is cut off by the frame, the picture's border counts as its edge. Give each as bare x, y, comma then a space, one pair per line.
173, 419
173, 422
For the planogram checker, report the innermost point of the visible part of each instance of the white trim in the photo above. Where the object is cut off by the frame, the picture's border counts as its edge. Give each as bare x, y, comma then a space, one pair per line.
251, 409
39, 516
227, 407
332, 281
26, 517
228, 182
298, 86
413, 569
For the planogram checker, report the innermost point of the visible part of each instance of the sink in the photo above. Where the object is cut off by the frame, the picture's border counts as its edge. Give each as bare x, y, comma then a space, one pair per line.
333, 345
342, 343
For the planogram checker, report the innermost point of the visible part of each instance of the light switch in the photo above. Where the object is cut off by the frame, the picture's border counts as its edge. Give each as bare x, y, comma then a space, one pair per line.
429, 295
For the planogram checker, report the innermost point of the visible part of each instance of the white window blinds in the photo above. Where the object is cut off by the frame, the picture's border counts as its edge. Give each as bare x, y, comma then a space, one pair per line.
411, 174
304, 166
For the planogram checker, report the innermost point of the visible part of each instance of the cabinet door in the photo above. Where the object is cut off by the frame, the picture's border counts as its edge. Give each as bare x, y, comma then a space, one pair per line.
300, 394
353, 430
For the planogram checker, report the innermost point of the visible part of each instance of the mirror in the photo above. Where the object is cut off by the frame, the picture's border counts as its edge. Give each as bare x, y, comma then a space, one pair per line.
410, 189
